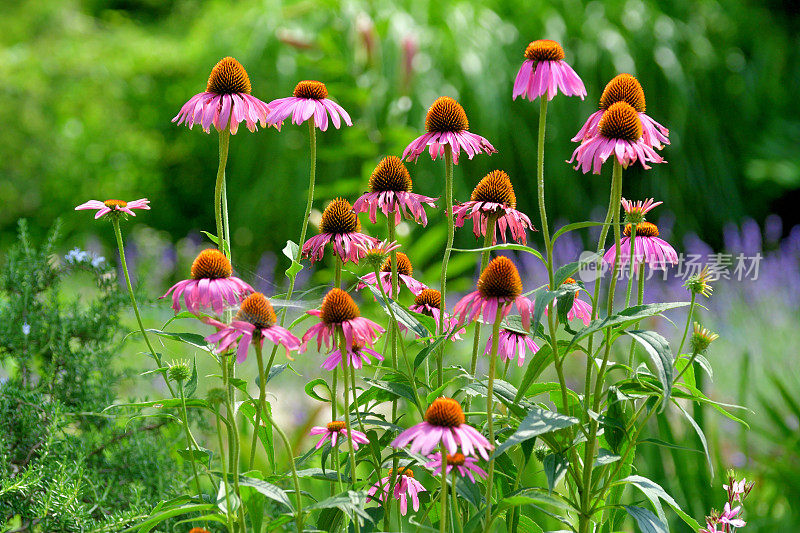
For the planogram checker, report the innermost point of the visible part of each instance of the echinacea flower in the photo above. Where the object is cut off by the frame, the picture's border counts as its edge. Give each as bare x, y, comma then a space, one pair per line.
494, 196
465, 466
701, 338
336, 432
512, 344
340, 227
390, 191
339, 311
700, 283
226, 102
429, 302
499, 287
544, 71
635, 211
444, 423
405, 485
357, 356
404, 272
255, 321
648, 248
728, 516
211, 285
625, 88
580, 309
446, 124
310, 99
619, 132
114, 207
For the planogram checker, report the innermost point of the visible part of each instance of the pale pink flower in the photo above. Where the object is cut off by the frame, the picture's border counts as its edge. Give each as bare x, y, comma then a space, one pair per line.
465, 466
512, 344
390, 191
728, 516
428, 302
340, 227
544, 71
336, 432
357, 356
499, 287
404, 273
339, 312
648, 248
114, 207
405, 486
310, 99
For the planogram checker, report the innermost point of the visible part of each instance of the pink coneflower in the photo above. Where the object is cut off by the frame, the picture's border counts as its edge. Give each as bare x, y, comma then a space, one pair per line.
118, 207
635, 211
466, 466
405, 485
255, 320
226, 101
625, 88
336, 432
648, 248
404, 272
390, 191
499, 286
494, 196
544, 71
357, 356
211, 286
338, 310
512, 344
340, 227
580, 309
310, 99
619, 133
446, 123
444, 423
429, 302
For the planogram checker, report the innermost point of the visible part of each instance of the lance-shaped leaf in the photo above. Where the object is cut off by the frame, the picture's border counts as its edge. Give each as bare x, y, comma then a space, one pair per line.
660, 353
655, 493
646, 520
537, 422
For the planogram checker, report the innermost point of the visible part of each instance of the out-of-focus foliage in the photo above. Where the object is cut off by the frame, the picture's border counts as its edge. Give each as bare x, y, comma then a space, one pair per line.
89, 89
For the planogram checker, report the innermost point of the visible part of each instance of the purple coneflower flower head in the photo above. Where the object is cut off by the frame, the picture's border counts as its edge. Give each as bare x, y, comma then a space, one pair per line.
211, 285
465, 466
255, 321
340, 227
390, 191
648, 248
358, 356
494, 196
446, 124
728, 516
625, 88
444, 423
544, 71
580, 309
226, 101
619, 132
404, 272
512, 344
114, 207
635, 211
405, 485
336, 432
499, 286
310, 99
429, 302
338, 310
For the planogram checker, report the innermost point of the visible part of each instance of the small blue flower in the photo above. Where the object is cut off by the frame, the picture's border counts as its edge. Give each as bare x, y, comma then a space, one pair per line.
26, 329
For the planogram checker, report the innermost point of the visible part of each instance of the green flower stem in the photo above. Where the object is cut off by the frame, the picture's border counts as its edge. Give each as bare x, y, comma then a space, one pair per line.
261, 406
456, 509
632, 268
121, 249
487, 242
334, 381
337, 274
639, 301
189, 446
224, 143
228, 516
688, 323
448, 214
351, 448
443, 492
233, 435
393, 331
489, 414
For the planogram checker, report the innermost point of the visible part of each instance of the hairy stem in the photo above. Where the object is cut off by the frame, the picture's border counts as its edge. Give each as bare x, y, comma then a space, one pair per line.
489, 413
189, 446
448, 214
224, 142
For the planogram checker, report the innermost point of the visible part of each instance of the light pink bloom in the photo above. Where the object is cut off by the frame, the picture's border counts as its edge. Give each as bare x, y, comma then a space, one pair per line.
728, 516
737, 489
544, 71
211, 285
653, 133
336, 432
357, 356
115, 206
404, 272
310, 99
405, 485
466, 466
338, 310
639, 208
710, 528
447, 124
444, 424
255, 321
512, 344
407, 204
428, 302
648, 248
226, 101
498, 287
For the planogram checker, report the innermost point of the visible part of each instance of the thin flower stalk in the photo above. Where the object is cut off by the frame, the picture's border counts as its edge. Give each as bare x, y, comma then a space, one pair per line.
222, 242
352, 453
490, 412
487, 242
189, 445
223, 462
448, 213
443, 493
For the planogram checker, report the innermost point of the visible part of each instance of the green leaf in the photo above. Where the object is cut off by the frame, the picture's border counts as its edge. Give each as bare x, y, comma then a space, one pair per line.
202, 456
191, 385
700, 434
397, 389
267, 489
318, 473
402, 314
575, 225
351, 503
661, 355
537, 422
646, 520
192, 339
569, 270
509, 246
291, 251
555, 467
426, 351
161, 404
311, 386
156, 519
605, 457
655, 493
213, 238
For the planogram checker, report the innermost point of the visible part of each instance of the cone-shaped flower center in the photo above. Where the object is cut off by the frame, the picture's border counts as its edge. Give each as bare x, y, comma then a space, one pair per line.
429, 297
390, 175
211, 264
257, 310
228, 77
445, 412
456, 459
702, 338
620, 121
115, 203
445, 114
401, 471
500, 279
336, 425
643, 229
338, 217
403, 265
495, 187
571, 281
544, 50
623, 88
315, 90
338, 306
